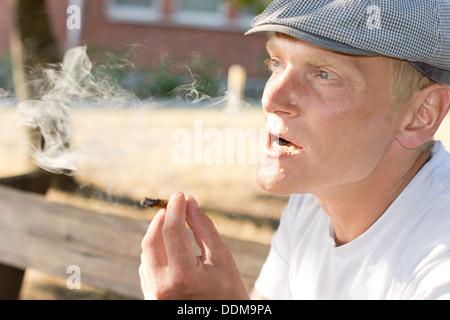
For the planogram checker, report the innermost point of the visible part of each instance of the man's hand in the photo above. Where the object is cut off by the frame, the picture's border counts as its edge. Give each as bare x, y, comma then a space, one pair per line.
170, 269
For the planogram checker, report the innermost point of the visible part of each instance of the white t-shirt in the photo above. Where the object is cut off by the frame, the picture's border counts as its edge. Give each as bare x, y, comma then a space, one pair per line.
405, 254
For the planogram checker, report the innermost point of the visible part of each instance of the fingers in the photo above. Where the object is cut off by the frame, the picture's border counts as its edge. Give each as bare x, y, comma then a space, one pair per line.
153, 248
165, 247
205, 232
176, 238
167, 240
169, 267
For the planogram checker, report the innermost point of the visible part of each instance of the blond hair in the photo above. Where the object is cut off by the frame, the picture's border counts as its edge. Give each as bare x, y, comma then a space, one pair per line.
406, 81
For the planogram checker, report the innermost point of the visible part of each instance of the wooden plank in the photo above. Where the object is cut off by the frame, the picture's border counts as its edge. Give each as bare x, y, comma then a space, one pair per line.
51, 237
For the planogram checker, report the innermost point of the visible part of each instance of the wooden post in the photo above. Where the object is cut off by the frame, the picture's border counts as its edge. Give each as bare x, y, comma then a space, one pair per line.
33, 50
237, 77
32, 47
10, 282
11, 278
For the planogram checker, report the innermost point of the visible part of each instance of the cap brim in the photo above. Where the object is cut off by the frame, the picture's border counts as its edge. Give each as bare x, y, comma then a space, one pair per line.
310, 38
435, 74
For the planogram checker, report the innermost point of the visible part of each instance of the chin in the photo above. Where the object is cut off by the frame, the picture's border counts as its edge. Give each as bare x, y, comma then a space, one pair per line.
276, 183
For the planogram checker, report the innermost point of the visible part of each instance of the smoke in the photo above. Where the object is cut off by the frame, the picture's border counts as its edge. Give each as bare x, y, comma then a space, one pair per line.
190, 94
76, 83
64, 86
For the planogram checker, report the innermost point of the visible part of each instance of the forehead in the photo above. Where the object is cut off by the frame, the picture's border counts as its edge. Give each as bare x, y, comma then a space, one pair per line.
299, 51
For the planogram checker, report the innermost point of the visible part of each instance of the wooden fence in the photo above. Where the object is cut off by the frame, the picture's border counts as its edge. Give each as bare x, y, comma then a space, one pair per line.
50, 237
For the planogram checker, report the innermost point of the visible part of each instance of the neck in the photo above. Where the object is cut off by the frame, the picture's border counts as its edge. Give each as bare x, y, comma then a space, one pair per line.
355, 207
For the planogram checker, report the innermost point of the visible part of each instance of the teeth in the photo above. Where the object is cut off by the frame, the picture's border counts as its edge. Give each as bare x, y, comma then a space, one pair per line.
276, 146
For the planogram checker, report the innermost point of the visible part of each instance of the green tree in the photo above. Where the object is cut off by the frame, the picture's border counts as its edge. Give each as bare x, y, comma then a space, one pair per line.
257, 5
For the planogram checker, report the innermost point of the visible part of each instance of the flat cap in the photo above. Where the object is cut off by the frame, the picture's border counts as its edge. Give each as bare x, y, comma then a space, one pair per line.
414, 30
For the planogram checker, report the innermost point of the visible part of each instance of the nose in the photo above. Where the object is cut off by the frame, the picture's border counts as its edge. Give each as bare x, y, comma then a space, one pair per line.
281, 95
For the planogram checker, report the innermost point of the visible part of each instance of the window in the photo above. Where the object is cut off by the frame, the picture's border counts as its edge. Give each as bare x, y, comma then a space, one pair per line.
134, 3
209, 6
201, 12
133, 10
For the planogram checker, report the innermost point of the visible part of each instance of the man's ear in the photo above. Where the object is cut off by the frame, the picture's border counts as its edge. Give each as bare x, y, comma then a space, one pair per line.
423, 115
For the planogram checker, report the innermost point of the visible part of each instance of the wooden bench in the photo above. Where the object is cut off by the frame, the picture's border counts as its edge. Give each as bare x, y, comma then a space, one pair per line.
50, 237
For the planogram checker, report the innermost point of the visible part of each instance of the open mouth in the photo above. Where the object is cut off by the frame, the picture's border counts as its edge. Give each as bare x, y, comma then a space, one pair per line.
282, 146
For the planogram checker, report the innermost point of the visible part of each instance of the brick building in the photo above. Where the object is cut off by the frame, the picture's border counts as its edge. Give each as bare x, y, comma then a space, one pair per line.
151, 30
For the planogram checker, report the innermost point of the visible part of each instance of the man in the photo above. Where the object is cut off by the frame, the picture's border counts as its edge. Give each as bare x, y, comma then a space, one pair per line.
357, 91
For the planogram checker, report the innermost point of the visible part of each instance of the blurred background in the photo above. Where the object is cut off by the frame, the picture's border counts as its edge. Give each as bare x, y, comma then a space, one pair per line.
151, 43
154, 67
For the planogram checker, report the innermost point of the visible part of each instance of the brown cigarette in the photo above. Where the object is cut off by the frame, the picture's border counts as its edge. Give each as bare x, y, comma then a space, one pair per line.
154, 203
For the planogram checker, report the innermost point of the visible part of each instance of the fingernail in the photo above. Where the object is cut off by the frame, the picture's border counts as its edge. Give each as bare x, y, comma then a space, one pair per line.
194, 202
176, 195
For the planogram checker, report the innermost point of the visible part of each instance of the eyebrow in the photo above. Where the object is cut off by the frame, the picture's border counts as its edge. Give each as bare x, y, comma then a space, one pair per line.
270, 45
324, 62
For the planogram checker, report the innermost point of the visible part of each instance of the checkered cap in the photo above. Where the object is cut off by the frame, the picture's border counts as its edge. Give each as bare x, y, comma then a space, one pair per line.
414, 30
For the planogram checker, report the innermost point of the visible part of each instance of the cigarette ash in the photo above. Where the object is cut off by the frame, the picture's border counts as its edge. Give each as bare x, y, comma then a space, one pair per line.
154, 203
63, 87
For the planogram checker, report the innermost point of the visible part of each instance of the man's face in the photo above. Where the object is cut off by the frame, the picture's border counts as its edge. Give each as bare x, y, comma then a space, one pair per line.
332, 109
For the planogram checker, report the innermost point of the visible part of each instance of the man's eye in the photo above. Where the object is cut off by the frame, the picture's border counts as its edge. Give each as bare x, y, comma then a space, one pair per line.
326, 75
272, 64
